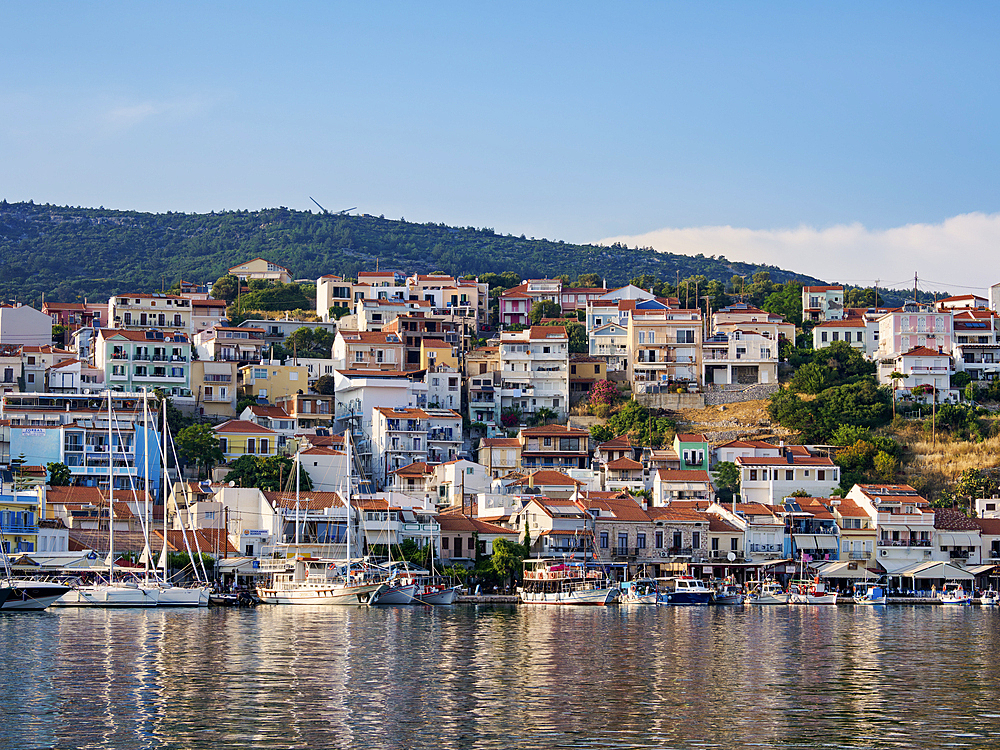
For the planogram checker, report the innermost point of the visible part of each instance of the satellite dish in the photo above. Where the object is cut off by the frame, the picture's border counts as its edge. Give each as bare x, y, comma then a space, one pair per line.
731, 556
233, 484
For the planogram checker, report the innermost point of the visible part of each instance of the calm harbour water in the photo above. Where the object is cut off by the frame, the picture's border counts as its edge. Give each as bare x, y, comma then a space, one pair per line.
503, 677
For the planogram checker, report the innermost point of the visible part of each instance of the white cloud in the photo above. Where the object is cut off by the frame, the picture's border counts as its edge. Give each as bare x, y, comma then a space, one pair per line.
959, 252
126, 116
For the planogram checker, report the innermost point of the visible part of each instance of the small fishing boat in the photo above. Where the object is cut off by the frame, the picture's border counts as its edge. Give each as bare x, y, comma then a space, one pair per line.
639, 591
810, 592
768, 592
728, 592
988, 598
954, 593
685, 590
869, 594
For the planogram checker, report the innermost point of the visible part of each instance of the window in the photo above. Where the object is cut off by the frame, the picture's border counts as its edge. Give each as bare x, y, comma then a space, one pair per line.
444, 542
640, 541
822, 336
572, 369
820, 475
31, 377
597, 369
260, 373
753, 475
789, 475
658, 539
604, 540
733, 544
678, 539
836, 335
264, 445
715, 544
696, 539
251, 445
224, 444
622, 541
546, 350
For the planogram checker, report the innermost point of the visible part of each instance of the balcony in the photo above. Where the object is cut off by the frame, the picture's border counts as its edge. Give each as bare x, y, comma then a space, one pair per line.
904, 542
863, 555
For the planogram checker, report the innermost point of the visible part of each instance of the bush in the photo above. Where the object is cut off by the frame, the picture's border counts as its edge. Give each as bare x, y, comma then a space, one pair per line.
604, 392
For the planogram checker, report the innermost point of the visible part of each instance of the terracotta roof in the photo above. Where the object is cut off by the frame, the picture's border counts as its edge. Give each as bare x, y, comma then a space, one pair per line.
923, 351
673, 513
459, 522
850, 509
848, 323
616, 443
322, 450
417, 468
547, 332
683, 475
700, 505
691, 437
499, 443
549, 477
307, 500
783, 461
989, 526
953, 520
621, 508
242, 426
274, 412
554, 430
718, 523
624, 463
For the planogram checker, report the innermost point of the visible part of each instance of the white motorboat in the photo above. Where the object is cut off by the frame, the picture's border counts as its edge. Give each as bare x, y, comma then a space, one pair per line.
989, 598
810, 592
436, 591
183, 596
27, 595
548, 581
954, 593
768, 592
396, 592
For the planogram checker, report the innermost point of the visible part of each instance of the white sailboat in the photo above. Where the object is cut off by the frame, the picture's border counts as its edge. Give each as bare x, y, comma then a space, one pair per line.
169, 594
110, 593
320, 581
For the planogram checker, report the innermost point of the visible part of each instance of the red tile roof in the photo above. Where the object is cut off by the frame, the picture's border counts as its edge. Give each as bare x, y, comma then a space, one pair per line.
242, 426
683, 475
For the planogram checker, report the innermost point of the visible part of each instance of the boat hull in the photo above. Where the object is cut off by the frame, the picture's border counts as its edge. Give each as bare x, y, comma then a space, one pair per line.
178, 596
686, 598
767, 599
956, 600
30, 596
108, 596
874, 601
595, 597
825, 599
728, 599
439, 597
333, 595
396, 595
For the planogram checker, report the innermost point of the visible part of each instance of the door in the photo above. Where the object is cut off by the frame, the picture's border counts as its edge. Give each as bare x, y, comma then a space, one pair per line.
458, 546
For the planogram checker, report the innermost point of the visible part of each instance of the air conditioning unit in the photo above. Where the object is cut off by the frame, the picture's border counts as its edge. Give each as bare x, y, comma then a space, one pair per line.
884, 552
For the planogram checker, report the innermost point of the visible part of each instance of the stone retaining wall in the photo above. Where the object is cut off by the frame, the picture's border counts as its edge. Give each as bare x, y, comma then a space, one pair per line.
672, 401
735, 394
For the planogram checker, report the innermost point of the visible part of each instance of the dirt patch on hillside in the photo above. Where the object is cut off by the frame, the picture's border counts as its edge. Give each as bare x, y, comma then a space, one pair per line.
745, 419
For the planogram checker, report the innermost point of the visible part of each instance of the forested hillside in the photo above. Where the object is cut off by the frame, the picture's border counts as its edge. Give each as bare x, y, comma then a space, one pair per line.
70, 253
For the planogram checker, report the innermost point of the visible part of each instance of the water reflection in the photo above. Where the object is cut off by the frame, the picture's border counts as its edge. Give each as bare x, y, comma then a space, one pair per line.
787, 677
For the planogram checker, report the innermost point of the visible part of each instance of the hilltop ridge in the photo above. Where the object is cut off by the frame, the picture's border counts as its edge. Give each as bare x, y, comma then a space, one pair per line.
70, 253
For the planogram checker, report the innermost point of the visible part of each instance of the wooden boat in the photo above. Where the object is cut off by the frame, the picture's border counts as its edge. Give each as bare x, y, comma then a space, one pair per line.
548, 581
869, 594
768, 592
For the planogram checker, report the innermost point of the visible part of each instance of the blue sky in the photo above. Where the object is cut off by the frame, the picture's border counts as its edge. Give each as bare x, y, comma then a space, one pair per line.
660, 123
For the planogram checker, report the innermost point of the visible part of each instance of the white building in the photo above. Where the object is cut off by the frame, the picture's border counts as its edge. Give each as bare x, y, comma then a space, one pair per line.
535, 369
768, 479
24, 326
904, 523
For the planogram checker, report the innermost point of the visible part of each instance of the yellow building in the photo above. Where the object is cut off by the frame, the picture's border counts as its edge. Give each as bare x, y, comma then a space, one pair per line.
437, 353
18, 519
240, 438
258, 268
271, 382
213, 385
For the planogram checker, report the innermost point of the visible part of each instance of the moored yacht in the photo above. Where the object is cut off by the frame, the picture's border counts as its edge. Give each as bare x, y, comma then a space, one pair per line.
685, 590
954, 593
28, 595
549, 581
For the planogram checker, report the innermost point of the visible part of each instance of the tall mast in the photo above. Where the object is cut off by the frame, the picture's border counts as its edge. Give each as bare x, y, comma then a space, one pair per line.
295, 464
147, 552
164, 484
111, 497
350, 487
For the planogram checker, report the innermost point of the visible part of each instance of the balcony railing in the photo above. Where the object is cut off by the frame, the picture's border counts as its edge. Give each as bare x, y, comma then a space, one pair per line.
863, 555
904, 542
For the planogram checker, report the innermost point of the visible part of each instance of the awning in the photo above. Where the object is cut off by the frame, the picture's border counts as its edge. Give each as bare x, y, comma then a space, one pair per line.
932, 570
844, 569
957, 538
893, 527
826, 541
815, 541
978, 570
217, 368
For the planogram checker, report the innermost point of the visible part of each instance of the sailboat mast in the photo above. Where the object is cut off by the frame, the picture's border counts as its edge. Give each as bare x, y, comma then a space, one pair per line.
111, 498
164, 484
145, 444
350, 488
297, 521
